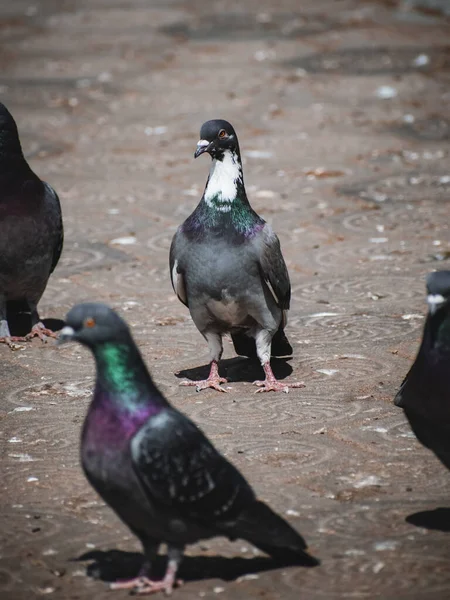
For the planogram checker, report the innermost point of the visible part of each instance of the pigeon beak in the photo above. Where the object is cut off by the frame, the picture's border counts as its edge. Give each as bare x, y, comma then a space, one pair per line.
202, 146
435, 301
67, 334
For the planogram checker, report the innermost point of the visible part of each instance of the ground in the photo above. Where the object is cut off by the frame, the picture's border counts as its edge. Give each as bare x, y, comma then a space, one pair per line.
341, 108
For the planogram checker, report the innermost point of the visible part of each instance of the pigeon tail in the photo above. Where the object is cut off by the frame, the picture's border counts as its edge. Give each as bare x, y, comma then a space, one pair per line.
246, 346
273, 535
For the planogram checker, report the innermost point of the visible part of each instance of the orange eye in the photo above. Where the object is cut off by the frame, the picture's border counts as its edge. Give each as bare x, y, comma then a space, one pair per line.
89, 322
222, 133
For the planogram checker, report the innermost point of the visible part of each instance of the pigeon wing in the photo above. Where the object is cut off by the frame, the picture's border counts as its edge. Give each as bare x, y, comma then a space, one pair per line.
181, 470
273, 268
176, 275
52, 197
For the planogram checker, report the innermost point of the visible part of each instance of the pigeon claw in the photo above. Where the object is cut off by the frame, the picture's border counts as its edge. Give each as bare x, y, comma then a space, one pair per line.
39, 330
141, 586
211, 382
276, 386
10, 341
271, 383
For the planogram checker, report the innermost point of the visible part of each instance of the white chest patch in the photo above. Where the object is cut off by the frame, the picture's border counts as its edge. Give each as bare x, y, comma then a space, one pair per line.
228, 311
221, 187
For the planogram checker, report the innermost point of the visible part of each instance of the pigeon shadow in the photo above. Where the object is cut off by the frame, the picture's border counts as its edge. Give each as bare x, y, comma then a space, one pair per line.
239, 369
438, 519
20, 323
111, 565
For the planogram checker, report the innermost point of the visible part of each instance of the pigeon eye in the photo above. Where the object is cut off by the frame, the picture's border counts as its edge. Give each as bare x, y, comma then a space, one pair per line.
222, 133
89, 322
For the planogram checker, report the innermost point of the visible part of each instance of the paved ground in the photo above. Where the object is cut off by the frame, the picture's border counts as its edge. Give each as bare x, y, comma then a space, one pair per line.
342, 112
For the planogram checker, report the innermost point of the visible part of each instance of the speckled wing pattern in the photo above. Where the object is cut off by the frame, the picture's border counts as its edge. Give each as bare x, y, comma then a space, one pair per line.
181, 470
273, 268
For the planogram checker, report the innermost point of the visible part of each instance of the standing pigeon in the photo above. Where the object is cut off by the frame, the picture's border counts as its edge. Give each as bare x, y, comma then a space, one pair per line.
31, 233
227, 267
425, 392
155, 467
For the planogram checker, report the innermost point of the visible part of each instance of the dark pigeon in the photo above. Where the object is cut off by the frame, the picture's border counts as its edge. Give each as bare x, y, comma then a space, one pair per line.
425, 392
155, 467
227, 267
31, 234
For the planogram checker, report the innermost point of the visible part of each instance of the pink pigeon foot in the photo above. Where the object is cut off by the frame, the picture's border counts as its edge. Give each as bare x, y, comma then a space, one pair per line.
271, 384
12, 341
213, 380
143, 585
39, 330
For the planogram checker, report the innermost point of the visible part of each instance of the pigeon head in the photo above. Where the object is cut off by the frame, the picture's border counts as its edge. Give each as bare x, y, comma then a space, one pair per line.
216, 137
93, 324
438, 289
9, 136
7, 122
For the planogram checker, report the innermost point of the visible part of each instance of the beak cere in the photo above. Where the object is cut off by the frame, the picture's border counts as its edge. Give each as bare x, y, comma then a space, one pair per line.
435, 301
202, 146
66, 334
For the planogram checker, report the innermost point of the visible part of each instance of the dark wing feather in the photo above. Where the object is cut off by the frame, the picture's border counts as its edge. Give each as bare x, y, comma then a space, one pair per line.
273, 268
176, 275
181, 470
52, 196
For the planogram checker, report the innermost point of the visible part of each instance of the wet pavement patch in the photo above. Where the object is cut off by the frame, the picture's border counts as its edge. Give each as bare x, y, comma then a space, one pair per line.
376, 61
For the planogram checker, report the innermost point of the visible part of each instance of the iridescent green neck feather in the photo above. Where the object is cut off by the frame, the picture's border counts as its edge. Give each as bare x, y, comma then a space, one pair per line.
123, 376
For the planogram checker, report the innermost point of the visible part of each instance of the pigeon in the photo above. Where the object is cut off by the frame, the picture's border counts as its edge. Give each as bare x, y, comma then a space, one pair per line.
425, 392
31, 234
155, 468
226, 266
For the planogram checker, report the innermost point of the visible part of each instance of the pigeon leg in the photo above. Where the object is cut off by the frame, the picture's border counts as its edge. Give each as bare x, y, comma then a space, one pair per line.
143, 585
150, 551
271, 384
38, 328
5, 334
263, 339
213, 380
215, 350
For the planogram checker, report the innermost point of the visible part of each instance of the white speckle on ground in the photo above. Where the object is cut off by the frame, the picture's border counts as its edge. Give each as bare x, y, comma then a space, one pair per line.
127, 240
258, 154
386, 92
22, 457
421, 60
386, 545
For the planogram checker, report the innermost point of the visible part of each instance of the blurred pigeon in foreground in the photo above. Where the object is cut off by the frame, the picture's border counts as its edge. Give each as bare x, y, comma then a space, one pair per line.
155, 468
227, 267
425, 392
31, 234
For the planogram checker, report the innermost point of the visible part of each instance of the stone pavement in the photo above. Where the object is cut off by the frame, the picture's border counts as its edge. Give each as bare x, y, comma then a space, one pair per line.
341, 108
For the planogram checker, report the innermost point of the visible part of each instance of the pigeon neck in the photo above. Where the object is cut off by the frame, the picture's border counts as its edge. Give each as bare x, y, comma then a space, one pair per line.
225, 183
123, 377
12, 160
